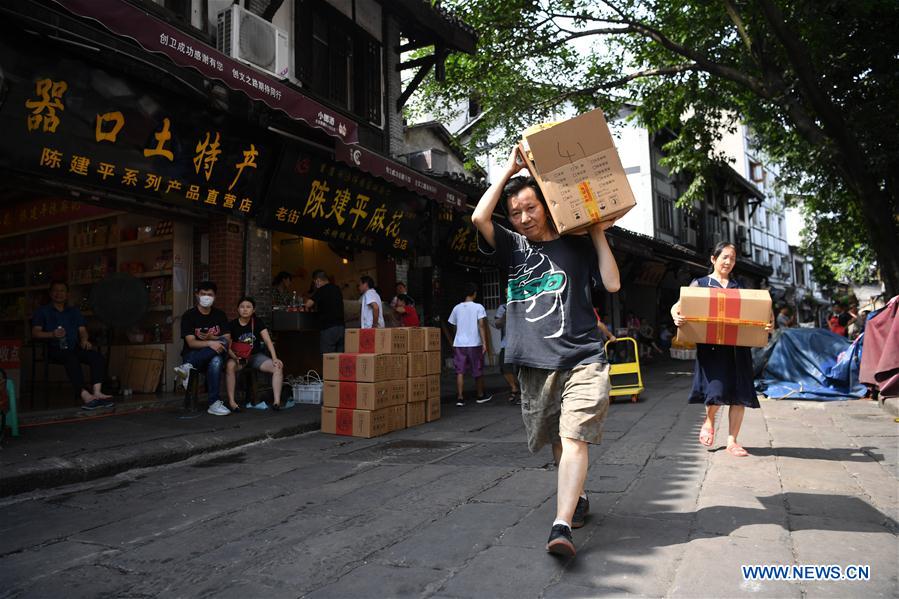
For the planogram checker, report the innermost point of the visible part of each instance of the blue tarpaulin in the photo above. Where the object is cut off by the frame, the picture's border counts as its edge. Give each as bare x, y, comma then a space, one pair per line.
812, 364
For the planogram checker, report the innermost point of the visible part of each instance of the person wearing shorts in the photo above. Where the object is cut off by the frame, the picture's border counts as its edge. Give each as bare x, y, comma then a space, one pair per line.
509, 371
469, 343
551, 333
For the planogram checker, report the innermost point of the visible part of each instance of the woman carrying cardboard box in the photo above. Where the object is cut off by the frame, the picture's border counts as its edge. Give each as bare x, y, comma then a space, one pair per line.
723, 373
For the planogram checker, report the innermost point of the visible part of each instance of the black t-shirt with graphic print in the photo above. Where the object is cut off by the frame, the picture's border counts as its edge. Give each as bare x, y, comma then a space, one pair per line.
193, 322
249, 333
549, 314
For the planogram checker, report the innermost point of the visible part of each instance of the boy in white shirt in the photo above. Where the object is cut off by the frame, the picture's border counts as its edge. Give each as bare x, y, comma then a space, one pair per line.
470, 343
372, 314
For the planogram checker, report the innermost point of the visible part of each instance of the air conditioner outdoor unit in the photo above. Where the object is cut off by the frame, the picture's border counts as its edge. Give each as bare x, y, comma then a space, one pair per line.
253, 40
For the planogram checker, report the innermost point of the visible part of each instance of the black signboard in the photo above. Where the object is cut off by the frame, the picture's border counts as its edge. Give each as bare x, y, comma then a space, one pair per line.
65, 119
459, 240
314, 197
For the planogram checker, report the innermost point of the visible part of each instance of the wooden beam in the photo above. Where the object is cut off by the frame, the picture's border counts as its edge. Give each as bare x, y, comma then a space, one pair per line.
413, 85
409, 46
418, 62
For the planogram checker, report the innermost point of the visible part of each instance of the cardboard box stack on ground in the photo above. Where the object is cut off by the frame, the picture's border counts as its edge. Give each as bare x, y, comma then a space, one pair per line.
579, 171
364, 391
384, 382
422, 342
724, 316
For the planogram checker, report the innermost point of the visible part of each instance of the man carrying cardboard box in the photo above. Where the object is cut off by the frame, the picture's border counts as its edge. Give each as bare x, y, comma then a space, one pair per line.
551, 333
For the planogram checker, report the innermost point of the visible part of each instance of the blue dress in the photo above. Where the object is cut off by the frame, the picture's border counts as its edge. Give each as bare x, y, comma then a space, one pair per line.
723, 373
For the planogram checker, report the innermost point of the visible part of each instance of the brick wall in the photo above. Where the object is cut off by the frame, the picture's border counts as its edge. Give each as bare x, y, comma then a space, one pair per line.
259, 269
395, 129
226, 261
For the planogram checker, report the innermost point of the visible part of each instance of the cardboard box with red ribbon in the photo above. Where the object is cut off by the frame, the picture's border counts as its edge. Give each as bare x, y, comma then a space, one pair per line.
364, 368
376, 341
363, 423
724, 316
363, 396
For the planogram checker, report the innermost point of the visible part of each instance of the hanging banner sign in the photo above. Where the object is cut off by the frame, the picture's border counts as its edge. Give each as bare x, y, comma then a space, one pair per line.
66, 120
124, 19
459, 240
314, 197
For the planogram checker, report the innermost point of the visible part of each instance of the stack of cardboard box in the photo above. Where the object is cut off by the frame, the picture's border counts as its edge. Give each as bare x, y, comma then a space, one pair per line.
387, 380
364, 392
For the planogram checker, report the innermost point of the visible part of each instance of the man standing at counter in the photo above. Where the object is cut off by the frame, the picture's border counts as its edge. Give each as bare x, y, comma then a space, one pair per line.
372, 313
327, 301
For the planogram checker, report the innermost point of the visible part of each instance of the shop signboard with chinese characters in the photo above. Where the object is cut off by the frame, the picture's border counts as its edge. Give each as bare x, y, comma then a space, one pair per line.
314, 197
459, 240
65, 120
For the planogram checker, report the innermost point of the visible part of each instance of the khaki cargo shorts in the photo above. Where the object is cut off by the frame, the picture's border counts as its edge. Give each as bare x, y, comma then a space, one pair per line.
564, 403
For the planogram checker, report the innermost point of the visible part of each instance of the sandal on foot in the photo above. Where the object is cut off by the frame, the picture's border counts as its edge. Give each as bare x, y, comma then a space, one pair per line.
737, 451
706, 436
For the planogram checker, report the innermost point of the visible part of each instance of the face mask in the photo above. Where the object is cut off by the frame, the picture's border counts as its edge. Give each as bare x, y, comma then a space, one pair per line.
206, 300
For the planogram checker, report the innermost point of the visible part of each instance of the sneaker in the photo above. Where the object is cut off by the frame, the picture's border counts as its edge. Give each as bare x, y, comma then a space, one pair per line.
218, 409
257, 406
559, 542
460, 402
96, 404
580, 512
182, 373
484, 399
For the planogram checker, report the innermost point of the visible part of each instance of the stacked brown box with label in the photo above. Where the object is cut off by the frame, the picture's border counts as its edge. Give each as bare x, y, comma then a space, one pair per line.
416, 381
364, 392
433, 362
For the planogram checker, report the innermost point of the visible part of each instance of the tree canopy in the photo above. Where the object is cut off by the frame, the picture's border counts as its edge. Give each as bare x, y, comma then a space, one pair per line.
817, 82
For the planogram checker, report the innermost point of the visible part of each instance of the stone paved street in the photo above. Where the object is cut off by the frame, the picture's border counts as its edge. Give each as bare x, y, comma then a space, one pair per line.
458, 508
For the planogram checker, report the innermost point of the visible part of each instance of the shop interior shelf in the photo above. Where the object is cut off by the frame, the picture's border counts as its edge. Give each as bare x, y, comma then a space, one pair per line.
153, 273
35, 259
25, 288
158, 239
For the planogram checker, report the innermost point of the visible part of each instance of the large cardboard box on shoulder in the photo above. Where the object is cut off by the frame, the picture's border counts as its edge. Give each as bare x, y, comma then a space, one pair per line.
578, 169
376, 341
363, 396
724, 316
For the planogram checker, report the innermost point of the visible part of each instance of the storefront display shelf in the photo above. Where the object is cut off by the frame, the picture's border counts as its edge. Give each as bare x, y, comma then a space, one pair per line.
34, 259
150, 274
23, 289
146, 241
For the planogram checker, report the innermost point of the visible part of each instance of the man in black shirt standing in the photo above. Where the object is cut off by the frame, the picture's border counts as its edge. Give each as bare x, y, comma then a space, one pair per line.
327, 300
551, 333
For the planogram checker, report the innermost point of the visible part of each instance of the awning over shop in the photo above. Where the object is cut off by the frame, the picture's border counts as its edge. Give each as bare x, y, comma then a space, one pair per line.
397, 173
156, 36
